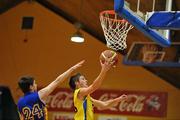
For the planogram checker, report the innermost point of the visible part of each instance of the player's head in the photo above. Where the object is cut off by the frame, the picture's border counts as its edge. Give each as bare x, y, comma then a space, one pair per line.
77, 81
27, 84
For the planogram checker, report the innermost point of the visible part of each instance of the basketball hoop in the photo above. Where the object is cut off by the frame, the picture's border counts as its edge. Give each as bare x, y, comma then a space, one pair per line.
115, 29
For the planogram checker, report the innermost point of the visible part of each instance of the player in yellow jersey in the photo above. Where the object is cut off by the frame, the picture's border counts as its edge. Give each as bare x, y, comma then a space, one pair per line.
83, 102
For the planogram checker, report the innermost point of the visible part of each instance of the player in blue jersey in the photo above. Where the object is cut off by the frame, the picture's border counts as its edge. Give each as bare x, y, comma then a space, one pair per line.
32, 105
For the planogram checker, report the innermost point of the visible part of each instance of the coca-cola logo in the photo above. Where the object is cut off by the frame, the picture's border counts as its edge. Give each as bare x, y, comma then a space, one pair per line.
60, 100
133, 103
138, 103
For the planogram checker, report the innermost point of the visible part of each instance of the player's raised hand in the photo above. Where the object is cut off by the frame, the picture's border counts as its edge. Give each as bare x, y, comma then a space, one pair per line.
107, 64
79, 64
122, 97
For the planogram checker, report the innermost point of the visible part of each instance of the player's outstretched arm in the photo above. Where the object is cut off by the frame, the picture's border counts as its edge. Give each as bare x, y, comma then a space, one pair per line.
108, 104
43, 93
97, 82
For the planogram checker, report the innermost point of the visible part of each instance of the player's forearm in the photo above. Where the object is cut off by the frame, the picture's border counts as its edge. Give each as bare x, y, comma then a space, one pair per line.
60, 79
43, 93
105, 104
111, 103
98, 81
102, 105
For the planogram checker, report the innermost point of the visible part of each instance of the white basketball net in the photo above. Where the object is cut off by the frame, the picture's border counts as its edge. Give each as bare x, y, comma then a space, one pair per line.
115, 30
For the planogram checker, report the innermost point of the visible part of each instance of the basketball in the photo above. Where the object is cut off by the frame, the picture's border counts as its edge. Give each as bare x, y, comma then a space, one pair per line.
109, 54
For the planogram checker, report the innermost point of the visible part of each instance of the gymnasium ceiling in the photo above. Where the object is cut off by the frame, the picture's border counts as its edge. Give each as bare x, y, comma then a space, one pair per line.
87, 12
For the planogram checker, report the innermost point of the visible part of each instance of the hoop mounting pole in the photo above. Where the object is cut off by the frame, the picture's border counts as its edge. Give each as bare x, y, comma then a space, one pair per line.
168, 8
154, 2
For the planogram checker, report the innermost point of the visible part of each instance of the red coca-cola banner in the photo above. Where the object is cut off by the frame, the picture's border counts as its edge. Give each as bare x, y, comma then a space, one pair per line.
138, 103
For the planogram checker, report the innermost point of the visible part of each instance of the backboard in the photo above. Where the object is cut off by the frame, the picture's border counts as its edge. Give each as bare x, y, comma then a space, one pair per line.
138, 19
152, 54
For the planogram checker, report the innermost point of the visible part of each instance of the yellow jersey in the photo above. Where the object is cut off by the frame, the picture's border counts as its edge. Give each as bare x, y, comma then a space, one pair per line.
84, 108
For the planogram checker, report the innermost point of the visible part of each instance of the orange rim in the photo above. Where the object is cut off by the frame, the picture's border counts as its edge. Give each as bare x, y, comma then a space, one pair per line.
111, 12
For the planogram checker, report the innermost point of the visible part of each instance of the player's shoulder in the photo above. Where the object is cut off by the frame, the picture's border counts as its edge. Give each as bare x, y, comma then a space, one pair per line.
77, 90
29, 96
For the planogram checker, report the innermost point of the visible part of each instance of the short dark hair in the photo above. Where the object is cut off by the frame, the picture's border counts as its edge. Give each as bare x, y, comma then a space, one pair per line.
25, 82
73, 79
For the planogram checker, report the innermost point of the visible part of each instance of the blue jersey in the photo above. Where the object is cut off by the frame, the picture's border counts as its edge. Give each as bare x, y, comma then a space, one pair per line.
31, 107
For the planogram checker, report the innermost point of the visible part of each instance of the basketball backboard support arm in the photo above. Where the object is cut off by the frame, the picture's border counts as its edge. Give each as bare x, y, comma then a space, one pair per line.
139, 23
167, 20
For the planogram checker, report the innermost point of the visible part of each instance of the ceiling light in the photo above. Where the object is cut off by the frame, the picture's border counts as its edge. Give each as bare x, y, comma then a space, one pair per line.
77, 37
